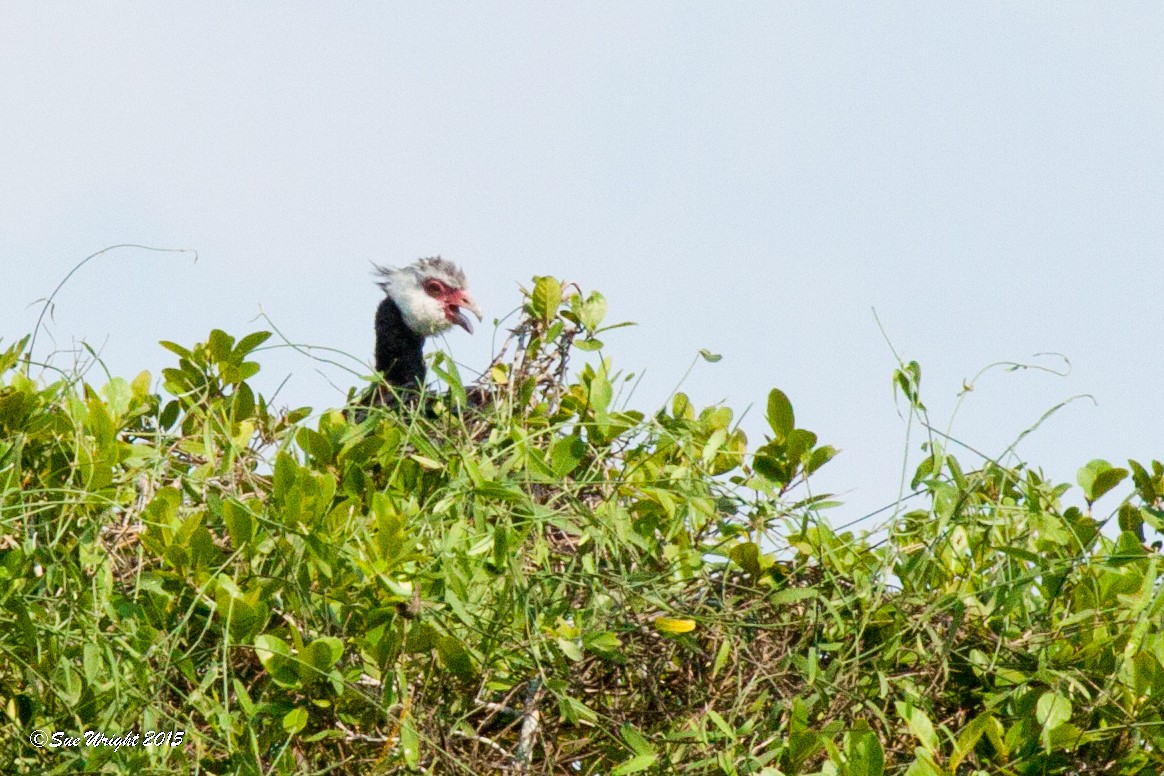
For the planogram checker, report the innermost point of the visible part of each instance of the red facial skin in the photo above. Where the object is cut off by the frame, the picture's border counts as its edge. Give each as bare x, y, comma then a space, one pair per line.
453, 300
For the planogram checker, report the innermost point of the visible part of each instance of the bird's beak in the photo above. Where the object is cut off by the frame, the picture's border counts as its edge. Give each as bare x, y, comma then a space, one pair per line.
465, 301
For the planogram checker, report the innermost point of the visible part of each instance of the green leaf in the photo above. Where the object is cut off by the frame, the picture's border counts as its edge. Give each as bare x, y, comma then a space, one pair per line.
790, 595
243, 403
244, 697
546, 296
971, 733
571, 649
819, 457
601, 392
141, 385
1128, 549
455, 657
708, 356
1066, 736
1052, 710
863, 751
1146, 484
722, 724
295, 720
721, 657
1098, 477
747, 556
323, 653
92, 663
275, 656
118, 394
249, 343
1131, 519
174, 347
640, 762
409, 742
285, 475
923, 765
635, 740
240, 525
170, 414
908, 381
919, 724
315, 444
780, 417
220, 345
593, 311
604, 643
566, 454
574, 710
268, 648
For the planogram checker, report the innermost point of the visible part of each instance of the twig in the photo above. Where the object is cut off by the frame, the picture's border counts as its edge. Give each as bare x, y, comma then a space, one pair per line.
354, 736
529, 725
487, 741
49, 301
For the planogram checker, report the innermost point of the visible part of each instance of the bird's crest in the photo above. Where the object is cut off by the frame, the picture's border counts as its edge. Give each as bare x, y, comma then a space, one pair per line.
433, 266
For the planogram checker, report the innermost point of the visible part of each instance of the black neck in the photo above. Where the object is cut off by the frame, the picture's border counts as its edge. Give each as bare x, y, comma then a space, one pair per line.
399, 350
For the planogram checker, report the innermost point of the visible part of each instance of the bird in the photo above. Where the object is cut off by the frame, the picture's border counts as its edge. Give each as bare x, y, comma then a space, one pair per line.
426, 297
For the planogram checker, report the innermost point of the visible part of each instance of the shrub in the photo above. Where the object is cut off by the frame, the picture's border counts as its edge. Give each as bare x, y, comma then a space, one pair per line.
527, 576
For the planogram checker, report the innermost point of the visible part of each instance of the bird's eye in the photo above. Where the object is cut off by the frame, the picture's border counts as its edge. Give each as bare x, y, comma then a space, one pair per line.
433, 288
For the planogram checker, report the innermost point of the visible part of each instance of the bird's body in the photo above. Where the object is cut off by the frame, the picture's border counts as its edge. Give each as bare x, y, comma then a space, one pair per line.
399, 350
421, 299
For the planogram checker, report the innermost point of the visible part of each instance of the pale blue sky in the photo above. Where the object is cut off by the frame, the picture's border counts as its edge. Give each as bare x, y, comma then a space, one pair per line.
748, 178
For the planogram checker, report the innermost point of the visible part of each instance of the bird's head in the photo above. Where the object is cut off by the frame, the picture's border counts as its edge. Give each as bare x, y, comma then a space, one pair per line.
431, 295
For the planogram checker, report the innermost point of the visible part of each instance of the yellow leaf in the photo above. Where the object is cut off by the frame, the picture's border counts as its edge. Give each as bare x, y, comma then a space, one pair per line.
426, 463
674, 625
246, 430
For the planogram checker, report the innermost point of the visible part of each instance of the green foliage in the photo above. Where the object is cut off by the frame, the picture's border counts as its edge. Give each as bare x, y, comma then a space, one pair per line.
548, 582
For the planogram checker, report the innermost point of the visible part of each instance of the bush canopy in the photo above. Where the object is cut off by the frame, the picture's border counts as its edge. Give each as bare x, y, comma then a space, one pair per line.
528, 576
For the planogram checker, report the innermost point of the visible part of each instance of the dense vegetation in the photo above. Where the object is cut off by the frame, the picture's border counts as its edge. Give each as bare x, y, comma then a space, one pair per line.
549, 582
